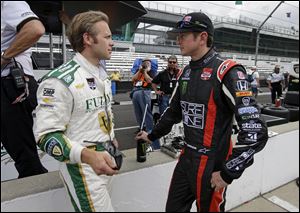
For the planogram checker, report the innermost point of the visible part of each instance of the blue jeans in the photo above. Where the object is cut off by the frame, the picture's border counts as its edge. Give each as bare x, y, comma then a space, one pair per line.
140, 98
254, 90
113, 87
163, 103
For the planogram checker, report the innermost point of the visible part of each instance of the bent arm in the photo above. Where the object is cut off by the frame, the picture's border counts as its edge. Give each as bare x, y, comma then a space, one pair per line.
136, 76
147, 77
253, 132
28, 35
171, 116
53, 114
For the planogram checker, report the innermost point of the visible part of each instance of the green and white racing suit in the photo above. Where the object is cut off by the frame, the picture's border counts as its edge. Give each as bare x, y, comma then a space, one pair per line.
74, 105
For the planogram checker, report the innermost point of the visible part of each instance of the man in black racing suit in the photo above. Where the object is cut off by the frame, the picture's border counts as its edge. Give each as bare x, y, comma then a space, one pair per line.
209, 95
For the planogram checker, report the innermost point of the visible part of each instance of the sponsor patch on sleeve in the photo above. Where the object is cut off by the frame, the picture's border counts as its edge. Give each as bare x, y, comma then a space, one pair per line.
241, 75
242, 85
243, 93
53, 147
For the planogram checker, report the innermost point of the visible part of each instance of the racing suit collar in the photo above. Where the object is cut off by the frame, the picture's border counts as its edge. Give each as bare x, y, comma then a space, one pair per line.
206, 59
94, 70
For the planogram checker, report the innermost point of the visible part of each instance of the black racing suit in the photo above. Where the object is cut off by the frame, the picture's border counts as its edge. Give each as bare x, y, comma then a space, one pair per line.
209, 93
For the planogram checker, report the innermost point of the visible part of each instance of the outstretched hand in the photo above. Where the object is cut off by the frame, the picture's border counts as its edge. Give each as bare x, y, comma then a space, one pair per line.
142, 135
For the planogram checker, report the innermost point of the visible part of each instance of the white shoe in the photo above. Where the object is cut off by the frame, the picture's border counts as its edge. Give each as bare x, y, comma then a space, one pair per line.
149, 149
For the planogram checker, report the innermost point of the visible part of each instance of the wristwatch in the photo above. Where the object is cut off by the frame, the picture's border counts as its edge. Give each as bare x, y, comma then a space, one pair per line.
3, 57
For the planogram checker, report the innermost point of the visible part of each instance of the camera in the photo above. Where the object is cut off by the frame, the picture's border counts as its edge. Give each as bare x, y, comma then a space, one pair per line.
111, 149
144, 66
17, 74
114, 152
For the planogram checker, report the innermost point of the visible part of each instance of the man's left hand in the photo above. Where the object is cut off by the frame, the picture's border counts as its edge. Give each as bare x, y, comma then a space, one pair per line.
217, 182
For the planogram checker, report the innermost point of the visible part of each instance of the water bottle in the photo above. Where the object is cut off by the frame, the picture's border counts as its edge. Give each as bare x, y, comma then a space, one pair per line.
141, 151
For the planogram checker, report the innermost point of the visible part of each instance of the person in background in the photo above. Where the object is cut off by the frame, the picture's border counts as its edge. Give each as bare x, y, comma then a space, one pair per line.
166, 80
141, 96
255, 85
293, 80
20, 30
75, 100
286, 80
115, 78
209, 94
275, 83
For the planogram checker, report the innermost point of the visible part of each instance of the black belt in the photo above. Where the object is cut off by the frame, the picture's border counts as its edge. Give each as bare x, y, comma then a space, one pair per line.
200, 149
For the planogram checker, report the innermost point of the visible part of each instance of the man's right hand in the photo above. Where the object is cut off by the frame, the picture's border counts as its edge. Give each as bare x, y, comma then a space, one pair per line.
143, 135
101, 162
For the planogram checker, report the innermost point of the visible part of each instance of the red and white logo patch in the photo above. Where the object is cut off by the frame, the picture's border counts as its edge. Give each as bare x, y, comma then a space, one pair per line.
241, 75
224, 68
206, 73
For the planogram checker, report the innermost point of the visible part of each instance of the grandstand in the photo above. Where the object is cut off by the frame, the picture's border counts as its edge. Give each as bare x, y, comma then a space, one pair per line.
234, 39
123, 61
120, 60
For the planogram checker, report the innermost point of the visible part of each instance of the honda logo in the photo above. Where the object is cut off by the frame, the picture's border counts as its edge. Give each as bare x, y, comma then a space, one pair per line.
242, 85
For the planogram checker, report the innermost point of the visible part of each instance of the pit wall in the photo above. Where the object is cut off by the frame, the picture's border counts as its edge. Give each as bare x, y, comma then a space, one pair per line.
145, 189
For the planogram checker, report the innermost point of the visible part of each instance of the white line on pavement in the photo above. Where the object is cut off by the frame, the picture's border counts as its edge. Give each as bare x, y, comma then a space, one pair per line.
283, 204
126, 103
124, 128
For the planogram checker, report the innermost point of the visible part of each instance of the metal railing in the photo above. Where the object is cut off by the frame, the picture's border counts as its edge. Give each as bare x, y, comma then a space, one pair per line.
243, 20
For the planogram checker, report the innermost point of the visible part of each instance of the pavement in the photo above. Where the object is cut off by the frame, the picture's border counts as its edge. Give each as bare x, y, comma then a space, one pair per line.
283, 199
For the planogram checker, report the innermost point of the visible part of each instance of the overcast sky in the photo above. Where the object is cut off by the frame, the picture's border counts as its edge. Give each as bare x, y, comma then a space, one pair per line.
258, 10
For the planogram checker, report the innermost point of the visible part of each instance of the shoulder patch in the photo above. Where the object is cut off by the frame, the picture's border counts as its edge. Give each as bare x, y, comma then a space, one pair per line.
224, 68
65, 72
185, 74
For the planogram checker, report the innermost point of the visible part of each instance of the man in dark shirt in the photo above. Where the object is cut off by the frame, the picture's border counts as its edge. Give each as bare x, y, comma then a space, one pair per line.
210, 94
166, 80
